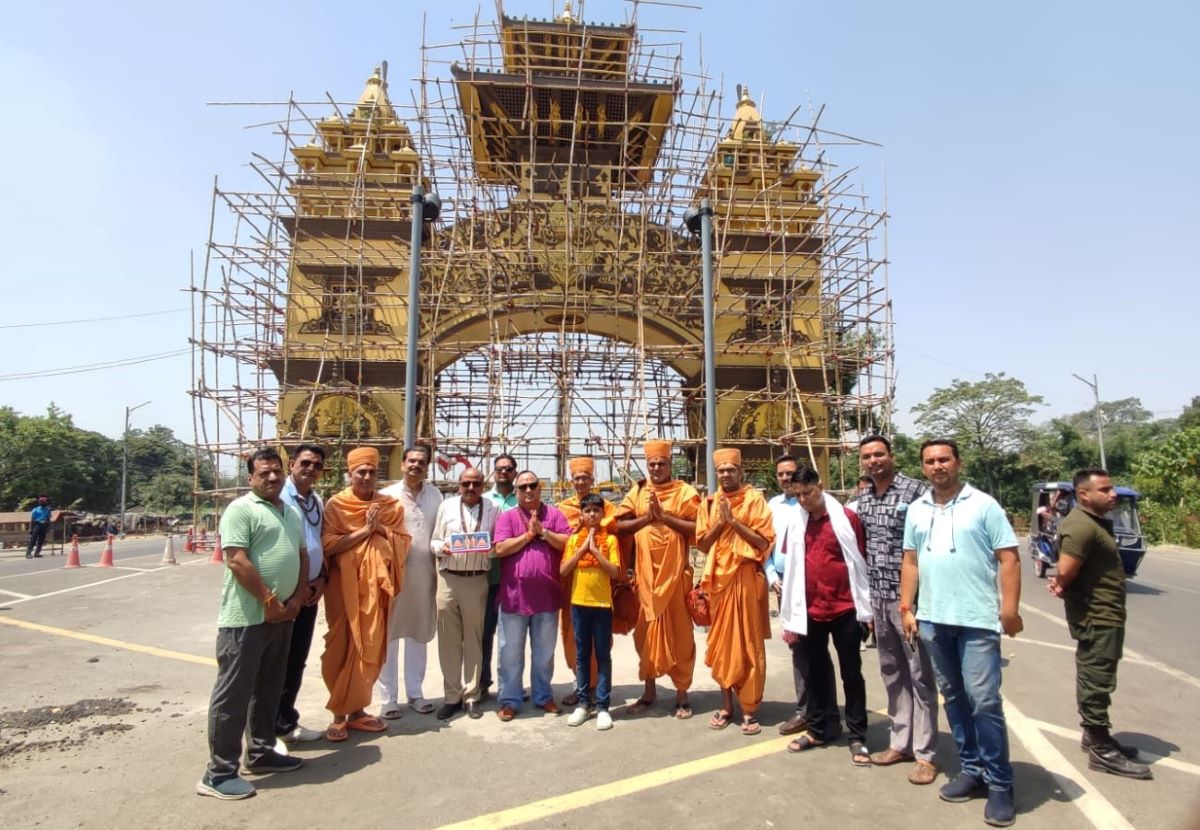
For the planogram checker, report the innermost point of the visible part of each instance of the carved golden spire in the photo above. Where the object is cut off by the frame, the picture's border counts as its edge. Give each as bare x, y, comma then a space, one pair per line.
374, 99
566, 16
747, 123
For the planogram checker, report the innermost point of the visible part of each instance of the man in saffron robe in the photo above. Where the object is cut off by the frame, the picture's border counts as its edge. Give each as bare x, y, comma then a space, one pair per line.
582, 472
735, 529
661, 514
366, 545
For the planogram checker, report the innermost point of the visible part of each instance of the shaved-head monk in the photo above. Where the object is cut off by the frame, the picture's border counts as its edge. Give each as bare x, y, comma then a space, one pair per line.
365, 548
734, 528
661, 513
583, 478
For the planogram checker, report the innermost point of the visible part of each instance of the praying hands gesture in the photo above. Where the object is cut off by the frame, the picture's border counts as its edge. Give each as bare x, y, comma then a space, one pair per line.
724, 511
372, 522
535, 525
655, 508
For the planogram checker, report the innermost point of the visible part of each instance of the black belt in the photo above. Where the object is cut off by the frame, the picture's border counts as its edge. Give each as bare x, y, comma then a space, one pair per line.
466, 573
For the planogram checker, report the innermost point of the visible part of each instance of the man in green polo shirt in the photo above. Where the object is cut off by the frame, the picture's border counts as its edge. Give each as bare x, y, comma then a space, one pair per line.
1091, 583
263, 541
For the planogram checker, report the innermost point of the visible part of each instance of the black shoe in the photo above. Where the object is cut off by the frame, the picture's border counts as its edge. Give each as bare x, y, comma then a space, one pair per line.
447, 710
1090, 740
1110, 759
272, 761
963, 788
1000, 810
473, 710
37, 556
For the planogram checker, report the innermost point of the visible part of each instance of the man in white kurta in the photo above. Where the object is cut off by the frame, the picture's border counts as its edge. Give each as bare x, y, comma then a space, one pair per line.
462, 592
414, 615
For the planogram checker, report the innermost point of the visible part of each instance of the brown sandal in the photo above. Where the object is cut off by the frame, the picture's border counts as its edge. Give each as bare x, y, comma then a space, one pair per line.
720, 720
806, 741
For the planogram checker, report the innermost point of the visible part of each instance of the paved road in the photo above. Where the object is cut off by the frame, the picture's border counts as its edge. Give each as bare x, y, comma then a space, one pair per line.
137, 639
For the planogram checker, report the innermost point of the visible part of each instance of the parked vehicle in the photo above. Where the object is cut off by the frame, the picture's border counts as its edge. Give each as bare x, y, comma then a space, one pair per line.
1054, 499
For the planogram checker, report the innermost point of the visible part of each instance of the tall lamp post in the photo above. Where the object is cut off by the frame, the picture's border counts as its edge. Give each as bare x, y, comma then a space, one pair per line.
1094, 383
424, 209
125, 463
700, 221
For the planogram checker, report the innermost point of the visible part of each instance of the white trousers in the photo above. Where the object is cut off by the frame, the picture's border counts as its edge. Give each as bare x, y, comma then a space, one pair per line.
414, 671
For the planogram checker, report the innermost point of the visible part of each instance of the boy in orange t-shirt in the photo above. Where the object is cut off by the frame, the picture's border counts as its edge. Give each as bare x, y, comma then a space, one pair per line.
592, 554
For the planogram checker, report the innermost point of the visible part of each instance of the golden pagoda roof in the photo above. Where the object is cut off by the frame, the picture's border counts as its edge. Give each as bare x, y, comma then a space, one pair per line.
374, 101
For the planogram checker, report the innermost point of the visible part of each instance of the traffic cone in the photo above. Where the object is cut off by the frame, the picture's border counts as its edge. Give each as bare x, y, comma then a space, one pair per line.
107, 556
189, 545
169, 552
73, 556
217, 558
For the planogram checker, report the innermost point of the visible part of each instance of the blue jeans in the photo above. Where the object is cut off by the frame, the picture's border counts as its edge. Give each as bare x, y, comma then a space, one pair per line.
543, 634
966, 662
593, 629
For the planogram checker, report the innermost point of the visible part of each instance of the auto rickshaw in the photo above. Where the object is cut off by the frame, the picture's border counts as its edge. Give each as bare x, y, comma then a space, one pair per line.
1054, 499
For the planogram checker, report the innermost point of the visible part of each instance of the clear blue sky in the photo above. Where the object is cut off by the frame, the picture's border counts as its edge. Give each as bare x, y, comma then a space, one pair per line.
1040, 157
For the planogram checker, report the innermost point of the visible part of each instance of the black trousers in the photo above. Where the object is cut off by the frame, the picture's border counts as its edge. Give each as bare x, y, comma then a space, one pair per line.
800, 677
288, 718
491, 619
823, 717
250, 666
37, 538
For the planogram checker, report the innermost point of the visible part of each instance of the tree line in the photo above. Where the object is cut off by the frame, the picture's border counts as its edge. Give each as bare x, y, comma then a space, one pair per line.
992, 420
1005, 452
81, 470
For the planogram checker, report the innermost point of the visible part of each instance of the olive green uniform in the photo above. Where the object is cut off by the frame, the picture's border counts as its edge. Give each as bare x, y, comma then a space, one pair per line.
1095, 606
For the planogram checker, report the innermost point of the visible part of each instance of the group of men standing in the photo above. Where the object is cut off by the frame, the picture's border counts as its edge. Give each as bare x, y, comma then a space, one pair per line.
932, 570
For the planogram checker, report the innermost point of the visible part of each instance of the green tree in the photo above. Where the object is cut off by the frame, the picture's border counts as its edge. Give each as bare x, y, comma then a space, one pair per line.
1168, 475
49, 454
1190, 417
989, 419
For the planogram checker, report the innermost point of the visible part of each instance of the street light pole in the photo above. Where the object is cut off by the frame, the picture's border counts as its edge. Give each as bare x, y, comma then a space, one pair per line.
1094, 383
125, 463
424, 209
700, 221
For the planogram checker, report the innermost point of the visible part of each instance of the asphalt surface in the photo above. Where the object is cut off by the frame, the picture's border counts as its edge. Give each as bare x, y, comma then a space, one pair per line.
106, 676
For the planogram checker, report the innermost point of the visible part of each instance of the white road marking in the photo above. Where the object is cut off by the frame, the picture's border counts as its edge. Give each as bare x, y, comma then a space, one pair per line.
15, 594
1143, 755
137, 572
1095, 807
1130, 655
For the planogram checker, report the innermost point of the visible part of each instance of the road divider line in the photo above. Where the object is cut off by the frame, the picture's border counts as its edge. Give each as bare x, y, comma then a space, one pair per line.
124, 645
14, 594
1130, 655
1095, 807
1143, 755
590, 796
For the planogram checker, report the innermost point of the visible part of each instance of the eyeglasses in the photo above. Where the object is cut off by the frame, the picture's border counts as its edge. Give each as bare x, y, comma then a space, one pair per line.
506, 469
316, 465
471, 484
526, 487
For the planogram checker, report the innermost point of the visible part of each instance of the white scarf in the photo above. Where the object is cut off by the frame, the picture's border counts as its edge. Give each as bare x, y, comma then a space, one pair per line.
793, 605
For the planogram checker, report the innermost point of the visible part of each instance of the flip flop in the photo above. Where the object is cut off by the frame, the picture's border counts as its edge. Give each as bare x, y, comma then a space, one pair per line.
683, 710
639, 706
858, 750
720, 720
750, 726
367, 723
420, 705
806, 741
336, 732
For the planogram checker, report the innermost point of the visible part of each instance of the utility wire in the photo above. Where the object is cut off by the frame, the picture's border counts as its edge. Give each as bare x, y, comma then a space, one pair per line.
91, 319
95, 367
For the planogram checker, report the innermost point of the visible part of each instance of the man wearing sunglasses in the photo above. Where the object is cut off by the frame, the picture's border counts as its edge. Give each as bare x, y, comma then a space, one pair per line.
307, 465
957, 542
529, 541
462, 592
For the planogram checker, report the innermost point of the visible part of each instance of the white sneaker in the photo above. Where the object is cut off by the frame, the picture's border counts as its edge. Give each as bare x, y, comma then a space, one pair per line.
302, 735
603, 720
578, 717
280, 746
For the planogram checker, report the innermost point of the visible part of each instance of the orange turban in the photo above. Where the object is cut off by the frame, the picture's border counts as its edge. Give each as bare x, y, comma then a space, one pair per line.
362, 455
729, 456
657, 449
582, 465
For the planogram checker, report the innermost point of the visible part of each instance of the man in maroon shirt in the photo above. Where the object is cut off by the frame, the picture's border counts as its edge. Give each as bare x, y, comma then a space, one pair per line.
825, 596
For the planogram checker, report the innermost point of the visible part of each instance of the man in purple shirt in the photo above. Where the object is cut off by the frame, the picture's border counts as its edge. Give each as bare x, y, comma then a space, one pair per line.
529, 543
